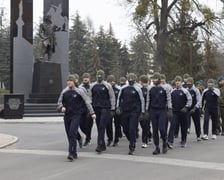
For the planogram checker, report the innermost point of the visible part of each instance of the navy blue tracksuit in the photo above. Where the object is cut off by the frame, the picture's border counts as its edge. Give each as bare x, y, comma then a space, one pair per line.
117, 121
131, 101
196, 103
210, 99
180, 98
145, 123
76, 103
87, 123
103, 101
158, 101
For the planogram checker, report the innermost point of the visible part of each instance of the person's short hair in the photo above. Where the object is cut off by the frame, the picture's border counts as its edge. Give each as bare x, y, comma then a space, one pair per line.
211, 81
122, 79
85, 75
186, 75
178, 78
190, 79
163, 76
111, 78
71, 77
132, 76
156, 75
144, 78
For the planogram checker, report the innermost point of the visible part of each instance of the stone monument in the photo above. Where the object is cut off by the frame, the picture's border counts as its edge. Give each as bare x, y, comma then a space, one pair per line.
40, 81
51, 69
21, 47
58, 11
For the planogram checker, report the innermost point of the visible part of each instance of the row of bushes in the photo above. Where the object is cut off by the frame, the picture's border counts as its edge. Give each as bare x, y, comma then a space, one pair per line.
4, 91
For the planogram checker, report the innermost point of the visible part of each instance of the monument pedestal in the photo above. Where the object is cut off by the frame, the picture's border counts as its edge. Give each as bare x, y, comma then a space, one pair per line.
47, 83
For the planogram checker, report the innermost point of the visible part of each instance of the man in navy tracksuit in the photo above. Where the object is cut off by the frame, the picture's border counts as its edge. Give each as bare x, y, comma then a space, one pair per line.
145, 121
117, 120
87, 123
73, 102
131, 103
170, 88
103, 101
210, 103
181, 102
194, 110
157, 102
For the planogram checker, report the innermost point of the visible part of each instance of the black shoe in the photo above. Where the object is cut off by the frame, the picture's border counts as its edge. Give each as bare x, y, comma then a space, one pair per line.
109, 143
176, 136
164, 148
86, 143
98, 149
222, 134
131, 152
183, 144
72, 157
156, 151
218, 131
170, 145
121, 135
103, 148
80, 142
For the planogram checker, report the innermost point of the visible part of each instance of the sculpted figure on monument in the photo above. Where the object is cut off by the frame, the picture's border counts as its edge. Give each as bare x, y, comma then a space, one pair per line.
47, 35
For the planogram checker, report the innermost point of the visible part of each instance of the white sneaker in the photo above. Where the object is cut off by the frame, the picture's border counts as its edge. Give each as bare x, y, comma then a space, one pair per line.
144, 145
188, 131
204, 137
149, 142
214, 137
198, 139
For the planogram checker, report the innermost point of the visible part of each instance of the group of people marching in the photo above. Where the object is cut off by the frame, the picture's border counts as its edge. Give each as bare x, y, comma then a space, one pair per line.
164, 107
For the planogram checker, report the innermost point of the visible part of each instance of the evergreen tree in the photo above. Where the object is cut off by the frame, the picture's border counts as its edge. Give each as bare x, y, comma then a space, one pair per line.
140, 56
183, 55
77, 42
108, 51
91, 52
124, 61
210, 68
37, 44
4, 51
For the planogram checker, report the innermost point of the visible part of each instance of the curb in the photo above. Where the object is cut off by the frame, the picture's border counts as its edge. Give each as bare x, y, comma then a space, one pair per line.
30, 120
7, 140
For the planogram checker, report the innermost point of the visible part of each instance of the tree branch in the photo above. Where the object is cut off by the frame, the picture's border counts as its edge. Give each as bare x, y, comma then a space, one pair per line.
171, 5
194, 26
149, 25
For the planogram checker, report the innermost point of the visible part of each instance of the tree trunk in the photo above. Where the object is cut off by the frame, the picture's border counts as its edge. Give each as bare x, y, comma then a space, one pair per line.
162, 37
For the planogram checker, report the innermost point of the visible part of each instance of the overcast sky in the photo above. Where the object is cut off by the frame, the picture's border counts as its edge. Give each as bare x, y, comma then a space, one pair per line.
102, 12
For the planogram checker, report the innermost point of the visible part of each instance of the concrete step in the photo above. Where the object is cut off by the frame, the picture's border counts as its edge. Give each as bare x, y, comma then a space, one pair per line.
40, 110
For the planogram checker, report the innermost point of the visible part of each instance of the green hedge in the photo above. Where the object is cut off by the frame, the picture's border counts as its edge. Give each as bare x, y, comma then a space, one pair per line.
4, 91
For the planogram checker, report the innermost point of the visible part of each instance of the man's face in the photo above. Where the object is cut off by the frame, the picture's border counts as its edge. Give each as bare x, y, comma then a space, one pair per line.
143, 84
85, 80
131, 81
112, 83
163, 81
210, 85
70, 83
99, 78
221, 82
178, 83
155, 81
189, 84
